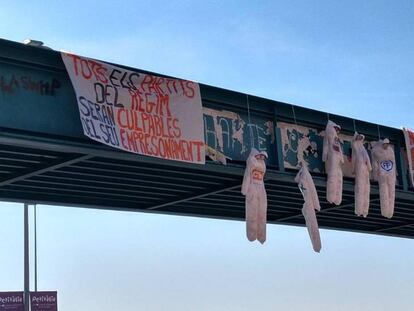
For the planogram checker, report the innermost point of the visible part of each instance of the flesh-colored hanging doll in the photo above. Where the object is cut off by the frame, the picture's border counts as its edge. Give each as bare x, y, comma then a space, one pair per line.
361, 166
256, 199
333, 158
307, 187
383, 163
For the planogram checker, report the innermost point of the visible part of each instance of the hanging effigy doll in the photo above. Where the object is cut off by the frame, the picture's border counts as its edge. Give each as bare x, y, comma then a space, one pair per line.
361, 167
333, 158
256, 199
308, 190
383, 163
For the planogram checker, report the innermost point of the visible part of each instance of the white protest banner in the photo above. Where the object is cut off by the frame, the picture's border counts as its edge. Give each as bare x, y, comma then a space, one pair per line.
136, 112
409, 143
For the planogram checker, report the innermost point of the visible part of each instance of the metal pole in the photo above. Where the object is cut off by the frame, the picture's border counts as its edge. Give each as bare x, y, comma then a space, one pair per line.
35, 246
26, 258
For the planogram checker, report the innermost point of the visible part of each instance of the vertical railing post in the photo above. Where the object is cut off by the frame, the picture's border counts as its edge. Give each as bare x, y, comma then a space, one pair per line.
35, 247
26, 259
401, 168
278, 142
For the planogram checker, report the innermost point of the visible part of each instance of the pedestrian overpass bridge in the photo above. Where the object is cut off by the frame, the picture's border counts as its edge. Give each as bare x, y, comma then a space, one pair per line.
46, 159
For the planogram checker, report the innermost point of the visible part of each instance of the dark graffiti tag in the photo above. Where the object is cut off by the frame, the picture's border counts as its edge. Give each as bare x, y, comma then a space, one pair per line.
13, 84
231, 134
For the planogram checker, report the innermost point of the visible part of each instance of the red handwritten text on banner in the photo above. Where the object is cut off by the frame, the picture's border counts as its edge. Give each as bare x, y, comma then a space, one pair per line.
136, 112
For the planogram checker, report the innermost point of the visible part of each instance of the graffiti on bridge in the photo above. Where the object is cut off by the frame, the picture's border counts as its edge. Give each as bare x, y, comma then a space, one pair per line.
233, 135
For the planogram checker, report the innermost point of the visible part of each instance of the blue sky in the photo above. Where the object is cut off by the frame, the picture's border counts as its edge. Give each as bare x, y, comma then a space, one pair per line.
353, 58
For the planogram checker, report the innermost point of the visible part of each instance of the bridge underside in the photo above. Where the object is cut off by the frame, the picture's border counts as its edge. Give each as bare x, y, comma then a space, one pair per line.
39, 169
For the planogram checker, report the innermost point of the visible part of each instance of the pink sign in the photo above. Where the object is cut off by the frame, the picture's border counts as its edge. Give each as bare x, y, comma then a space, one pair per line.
11, 301
43, 301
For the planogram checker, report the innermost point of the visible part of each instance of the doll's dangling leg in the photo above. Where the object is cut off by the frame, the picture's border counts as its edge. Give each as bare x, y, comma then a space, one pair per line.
330, 189
384, 198
312, 226
251, 216
391, 196
262, 217
365, 200
367, 196
358, 197
338, 187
